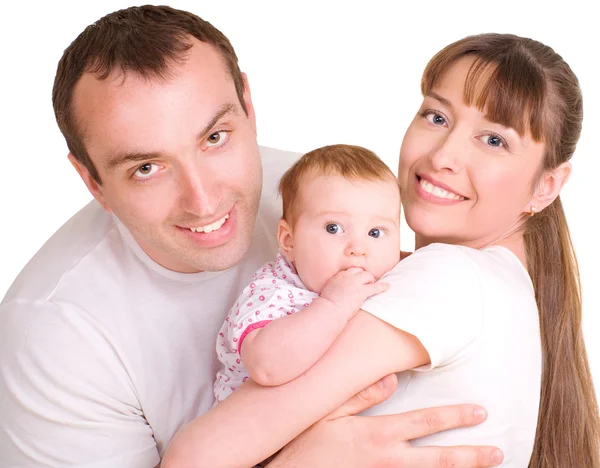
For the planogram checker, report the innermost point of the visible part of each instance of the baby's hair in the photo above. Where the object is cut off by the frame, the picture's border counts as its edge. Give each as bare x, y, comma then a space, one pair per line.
352, 162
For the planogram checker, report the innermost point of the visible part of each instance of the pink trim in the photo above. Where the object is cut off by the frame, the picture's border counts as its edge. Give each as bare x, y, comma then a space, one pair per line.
250, 328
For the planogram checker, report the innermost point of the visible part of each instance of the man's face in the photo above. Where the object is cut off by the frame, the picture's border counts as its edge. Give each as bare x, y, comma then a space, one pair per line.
178, 160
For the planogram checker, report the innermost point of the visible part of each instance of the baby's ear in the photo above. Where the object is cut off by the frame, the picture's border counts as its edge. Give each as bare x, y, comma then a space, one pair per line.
285, 238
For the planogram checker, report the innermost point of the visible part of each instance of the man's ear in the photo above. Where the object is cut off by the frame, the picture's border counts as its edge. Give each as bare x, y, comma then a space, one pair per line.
285, 238
93, 186
548, 187
248, 101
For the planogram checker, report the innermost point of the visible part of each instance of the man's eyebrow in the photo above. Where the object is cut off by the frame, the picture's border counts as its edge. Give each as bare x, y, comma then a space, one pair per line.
437, 97
120, 159
225, 109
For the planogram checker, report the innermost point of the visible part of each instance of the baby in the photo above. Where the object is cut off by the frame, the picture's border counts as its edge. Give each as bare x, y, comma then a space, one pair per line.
338, 235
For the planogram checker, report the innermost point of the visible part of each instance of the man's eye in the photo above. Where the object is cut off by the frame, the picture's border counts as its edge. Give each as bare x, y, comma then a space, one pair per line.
334, 228
216, 139
146, 170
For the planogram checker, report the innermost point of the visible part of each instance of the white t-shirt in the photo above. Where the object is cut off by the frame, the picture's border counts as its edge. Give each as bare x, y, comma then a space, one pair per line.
275, 291
475, 313
104, 354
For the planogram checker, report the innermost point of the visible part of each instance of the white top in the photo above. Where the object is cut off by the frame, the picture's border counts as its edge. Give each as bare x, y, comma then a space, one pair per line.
275, 291
104, 354
475, 313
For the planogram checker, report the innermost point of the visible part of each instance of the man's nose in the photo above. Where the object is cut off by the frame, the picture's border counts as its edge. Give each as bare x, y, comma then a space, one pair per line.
197, 192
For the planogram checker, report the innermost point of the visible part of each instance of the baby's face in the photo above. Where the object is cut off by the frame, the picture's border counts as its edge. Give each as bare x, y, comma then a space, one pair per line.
344, 223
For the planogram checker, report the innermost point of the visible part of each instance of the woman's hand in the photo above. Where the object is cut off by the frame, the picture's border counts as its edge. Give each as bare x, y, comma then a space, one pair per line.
341, 439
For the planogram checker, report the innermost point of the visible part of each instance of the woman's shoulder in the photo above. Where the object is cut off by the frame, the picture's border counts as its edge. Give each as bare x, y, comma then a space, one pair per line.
443, 258
491, 257
434, 270
491, 266
455, 266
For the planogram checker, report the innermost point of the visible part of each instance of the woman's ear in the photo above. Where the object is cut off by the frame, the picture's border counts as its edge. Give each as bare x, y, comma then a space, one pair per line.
548, 187
285, 239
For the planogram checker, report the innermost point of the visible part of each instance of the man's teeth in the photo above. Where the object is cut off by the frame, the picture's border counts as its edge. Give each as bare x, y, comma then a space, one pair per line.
211, 227
438, 192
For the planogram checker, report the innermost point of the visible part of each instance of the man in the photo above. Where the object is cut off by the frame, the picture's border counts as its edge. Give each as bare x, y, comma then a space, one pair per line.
108, 334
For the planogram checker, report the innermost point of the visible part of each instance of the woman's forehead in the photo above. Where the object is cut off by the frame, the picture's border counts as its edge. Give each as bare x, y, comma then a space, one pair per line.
509, 94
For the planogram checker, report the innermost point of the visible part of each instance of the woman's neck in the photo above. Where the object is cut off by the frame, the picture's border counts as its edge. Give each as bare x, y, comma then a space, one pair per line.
513, 241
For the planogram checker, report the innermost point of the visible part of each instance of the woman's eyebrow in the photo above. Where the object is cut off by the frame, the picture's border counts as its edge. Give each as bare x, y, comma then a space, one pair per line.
437, 97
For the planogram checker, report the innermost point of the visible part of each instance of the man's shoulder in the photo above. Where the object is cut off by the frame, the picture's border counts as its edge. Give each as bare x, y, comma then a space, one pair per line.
278, 157
275, 162
63, 252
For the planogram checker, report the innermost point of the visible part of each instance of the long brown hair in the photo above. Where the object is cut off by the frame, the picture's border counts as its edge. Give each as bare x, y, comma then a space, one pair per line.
525, 85
145, 40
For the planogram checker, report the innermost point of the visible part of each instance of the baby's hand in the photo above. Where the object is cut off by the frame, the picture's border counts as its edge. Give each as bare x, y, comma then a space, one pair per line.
349, 288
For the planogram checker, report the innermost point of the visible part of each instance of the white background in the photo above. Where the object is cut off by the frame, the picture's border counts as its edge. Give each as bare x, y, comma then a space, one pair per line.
320, 73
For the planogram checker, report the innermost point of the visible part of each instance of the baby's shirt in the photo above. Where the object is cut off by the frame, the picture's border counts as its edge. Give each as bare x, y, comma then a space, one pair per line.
275, 291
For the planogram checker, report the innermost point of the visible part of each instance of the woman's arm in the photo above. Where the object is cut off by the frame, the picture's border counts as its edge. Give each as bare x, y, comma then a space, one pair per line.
438, 284
288, 346
255, 421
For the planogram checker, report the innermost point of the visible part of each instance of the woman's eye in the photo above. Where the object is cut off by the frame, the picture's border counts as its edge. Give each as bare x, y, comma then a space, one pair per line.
495, 141
376, 233
146, 170
434, 118
334, 228
216, 139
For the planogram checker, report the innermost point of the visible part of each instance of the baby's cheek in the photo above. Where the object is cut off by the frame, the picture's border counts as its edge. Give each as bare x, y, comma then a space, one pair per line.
390, 262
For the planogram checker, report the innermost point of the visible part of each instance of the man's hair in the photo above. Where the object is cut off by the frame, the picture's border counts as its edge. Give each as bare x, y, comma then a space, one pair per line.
348, 161
146, 40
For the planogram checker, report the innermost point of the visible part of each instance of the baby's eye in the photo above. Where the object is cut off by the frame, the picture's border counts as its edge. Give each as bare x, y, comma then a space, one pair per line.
376, 233
334, 228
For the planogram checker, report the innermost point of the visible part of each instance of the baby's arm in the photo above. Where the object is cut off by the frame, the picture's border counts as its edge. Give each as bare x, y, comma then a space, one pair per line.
255, 421
287, 347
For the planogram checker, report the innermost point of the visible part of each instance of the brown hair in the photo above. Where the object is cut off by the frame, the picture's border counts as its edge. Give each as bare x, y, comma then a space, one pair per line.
523, 84
145, 40
351, 162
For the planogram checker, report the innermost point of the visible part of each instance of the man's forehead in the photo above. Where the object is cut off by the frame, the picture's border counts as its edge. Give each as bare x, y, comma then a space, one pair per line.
197, 86
201, 62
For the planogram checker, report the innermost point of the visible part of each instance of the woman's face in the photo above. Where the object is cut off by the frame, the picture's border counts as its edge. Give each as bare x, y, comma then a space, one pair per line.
465, 179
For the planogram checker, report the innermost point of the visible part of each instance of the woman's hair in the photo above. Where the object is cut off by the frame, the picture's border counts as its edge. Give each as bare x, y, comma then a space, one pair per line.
348, 161
523, 84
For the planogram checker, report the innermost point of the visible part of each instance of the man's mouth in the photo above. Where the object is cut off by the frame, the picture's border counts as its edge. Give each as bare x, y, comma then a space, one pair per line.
210, 227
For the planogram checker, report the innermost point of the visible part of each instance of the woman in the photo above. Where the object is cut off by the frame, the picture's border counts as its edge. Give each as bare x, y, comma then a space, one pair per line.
490, 294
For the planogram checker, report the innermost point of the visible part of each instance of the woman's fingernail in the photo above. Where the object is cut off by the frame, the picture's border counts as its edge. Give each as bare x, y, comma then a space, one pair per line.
497, 456
480, 414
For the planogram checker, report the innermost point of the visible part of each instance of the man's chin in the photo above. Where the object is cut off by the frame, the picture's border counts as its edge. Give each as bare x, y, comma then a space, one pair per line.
218, 258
